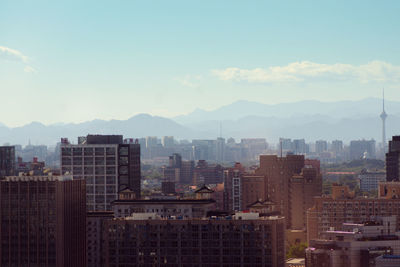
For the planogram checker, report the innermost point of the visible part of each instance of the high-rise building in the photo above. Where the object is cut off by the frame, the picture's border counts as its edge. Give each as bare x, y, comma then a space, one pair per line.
383, 117
7, 161
321, 146
187, 172
167, 141
220, 149
244, 239
291, 182
42, 221
360, 149
337, 146
393, 160
107, 164
151, 141
205, 173
300, 147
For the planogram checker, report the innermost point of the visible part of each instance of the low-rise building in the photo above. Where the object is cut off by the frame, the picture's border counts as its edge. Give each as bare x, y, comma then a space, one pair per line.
330, 212
358, 245
127, 204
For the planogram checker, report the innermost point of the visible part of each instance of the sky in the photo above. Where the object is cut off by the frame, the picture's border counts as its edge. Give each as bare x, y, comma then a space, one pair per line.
74, 61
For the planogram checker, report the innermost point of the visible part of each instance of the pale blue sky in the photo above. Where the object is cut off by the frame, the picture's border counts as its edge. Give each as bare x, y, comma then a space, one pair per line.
80, 60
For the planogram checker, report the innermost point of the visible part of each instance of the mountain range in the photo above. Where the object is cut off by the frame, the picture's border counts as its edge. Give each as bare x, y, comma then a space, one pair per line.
312, 120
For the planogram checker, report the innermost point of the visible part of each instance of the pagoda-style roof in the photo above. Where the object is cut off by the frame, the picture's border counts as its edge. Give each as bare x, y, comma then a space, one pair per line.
259, 204
204, 190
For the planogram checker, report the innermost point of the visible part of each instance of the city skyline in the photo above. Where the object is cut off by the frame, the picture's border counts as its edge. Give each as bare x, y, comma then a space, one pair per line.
118, 60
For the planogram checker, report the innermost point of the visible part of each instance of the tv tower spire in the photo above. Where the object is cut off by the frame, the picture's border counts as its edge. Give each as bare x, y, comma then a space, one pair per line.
383, 118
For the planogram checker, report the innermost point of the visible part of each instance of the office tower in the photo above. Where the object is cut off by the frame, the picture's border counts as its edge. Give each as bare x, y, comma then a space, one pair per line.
7, 161
244, 239
321, 146
393, 160
107, 164
357, 245
167, 141
253, 147
383, 117
330, 212
360, 149
43, 221
220, 150
291, 183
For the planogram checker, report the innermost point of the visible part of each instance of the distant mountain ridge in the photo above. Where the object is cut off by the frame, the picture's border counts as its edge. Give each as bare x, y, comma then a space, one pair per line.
338, 109
312, 120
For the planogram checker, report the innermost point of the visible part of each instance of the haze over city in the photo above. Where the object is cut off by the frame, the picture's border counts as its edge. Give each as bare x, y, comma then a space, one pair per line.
119, 59
200, 133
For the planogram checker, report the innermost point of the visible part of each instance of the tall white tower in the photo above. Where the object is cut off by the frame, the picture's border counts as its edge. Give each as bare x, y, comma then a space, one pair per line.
383, 117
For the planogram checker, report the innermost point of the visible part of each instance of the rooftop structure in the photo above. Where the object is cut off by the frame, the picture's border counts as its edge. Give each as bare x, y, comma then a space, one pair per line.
356, 246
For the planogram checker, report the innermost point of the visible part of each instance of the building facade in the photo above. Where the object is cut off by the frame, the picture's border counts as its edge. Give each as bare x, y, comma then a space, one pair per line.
42, 221
107, 164
369, 180
330, 212
358, 245
7, 161
243, 240
393, 160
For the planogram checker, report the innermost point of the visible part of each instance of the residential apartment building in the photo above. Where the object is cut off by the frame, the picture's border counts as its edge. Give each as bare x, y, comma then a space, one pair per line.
291, 182
242, 240
42, 221
330, 212
107, 164
357, 245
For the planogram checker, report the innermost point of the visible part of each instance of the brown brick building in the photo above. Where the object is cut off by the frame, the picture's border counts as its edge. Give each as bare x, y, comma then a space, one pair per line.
330, 212
239, 241
291, 182
42, 221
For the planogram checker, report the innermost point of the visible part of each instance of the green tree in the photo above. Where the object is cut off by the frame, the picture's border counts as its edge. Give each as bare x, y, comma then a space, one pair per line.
297, 251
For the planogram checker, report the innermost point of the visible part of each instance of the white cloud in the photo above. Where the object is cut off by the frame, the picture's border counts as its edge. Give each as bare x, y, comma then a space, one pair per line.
29, 69
12, 54
302, 71
191, 81
15, 55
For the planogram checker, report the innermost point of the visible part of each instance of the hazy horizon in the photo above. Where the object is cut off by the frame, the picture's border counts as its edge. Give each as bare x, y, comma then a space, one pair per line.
77, 61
